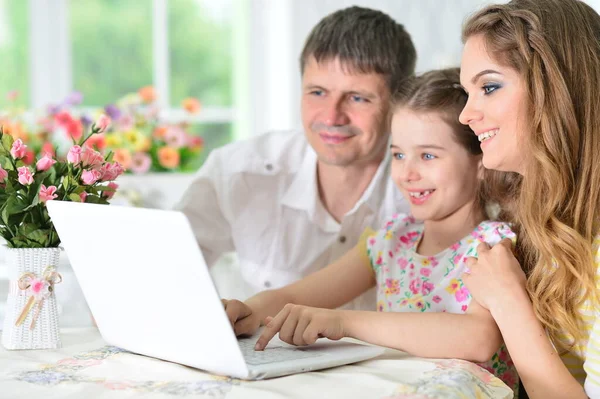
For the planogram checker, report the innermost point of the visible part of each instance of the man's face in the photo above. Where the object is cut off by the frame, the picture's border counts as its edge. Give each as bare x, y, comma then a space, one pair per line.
344, 114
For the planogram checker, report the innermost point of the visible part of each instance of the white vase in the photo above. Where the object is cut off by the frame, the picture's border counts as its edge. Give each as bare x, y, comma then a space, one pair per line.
39, 329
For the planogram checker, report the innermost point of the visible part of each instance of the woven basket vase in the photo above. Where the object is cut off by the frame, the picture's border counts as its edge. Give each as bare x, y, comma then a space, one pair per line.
45, 334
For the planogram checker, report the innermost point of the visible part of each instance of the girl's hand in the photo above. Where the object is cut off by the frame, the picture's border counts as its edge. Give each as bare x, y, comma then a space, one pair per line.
302, 325
495, 276
241, 317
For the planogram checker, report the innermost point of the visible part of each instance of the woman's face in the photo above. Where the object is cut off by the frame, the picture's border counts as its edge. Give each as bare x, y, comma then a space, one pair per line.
496, 109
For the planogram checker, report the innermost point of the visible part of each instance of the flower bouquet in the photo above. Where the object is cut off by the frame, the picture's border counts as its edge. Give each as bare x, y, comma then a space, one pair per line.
85, 175
142, 142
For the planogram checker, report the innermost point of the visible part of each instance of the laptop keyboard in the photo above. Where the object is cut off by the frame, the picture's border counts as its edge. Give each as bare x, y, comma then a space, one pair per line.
272, 354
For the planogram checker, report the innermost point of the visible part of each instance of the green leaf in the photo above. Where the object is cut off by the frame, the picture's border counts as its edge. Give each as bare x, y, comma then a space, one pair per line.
5, 162
7, 142
27, 228
69, 183
93, 199
34, 202
104, 188
74, 197
7, 209
39, 236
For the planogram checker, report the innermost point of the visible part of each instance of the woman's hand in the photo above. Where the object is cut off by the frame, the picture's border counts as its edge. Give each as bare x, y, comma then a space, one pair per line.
302, 325
495, 276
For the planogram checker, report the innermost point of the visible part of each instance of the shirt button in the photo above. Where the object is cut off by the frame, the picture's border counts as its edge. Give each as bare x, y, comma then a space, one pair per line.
342, 239
267, 284
269, 167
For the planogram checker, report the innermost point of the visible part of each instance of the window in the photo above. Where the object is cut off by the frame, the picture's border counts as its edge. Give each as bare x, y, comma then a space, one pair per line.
111, 46
200, 51
105, 49
14, 50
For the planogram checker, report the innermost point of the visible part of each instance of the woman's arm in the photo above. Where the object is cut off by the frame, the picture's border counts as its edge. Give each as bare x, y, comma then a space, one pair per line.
540, 367
497, 282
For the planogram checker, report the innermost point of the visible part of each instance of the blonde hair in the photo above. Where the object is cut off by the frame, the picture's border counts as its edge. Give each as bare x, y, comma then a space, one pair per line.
555, 46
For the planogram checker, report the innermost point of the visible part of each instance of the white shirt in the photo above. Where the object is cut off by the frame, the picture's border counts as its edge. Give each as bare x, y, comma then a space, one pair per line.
260, 198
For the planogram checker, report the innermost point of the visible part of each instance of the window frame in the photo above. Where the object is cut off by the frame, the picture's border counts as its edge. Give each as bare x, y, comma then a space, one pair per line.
52, 81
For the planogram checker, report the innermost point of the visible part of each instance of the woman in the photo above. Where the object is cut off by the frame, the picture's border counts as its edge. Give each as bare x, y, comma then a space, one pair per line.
531, 69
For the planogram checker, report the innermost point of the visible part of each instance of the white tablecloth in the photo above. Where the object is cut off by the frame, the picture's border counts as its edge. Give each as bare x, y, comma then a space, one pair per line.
87, 368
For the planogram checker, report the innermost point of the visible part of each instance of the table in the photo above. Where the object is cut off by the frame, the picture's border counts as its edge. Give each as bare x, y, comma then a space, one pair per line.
86, 367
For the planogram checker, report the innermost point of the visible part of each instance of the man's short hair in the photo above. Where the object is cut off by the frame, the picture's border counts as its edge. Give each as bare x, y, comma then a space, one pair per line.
364, 41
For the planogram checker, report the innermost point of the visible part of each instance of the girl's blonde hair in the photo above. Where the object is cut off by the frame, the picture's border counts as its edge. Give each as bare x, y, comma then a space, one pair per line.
440, 91
555, 46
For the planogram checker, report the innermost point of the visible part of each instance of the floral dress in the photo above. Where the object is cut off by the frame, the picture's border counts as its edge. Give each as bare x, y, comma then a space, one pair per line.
410, 282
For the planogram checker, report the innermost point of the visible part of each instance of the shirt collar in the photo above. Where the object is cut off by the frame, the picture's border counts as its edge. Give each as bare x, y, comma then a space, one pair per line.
303, 192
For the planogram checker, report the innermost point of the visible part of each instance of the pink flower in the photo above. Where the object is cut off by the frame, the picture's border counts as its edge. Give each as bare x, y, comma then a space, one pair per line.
427, 288
3, 174
140, 162
89, 177
109, 194
83, 196
402, 262
91, 157
18, 149
464, 308
110, 171
426, 272
437, 299
102, 123
175, 138
36, 286
25, 176
47, 194
74, 155
45, 163
462, 294
415, 286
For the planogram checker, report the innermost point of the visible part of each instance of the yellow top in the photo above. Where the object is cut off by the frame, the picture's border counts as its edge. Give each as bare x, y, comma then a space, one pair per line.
583, 361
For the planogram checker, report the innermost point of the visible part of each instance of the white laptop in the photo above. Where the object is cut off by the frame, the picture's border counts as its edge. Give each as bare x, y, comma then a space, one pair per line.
150, 291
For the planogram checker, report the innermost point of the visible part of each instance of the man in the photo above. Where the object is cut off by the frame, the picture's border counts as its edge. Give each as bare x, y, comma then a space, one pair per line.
290, 203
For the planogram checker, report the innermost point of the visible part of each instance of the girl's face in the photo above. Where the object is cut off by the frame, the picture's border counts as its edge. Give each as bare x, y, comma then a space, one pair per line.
496, 107
435, 173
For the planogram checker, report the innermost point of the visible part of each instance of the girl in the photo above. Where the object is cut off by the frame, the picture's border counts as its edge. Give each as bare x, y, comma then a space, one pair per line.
532, 72
415, 265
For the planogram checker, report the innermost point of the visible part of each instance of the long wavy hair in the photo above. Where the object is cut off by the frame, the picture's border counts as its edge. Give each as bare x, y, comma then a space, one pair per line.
554, 205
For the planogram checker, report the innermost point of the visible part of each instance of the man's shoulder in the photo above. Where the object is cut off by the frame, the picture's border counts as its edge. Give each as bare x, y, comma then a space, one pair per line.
275, 151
